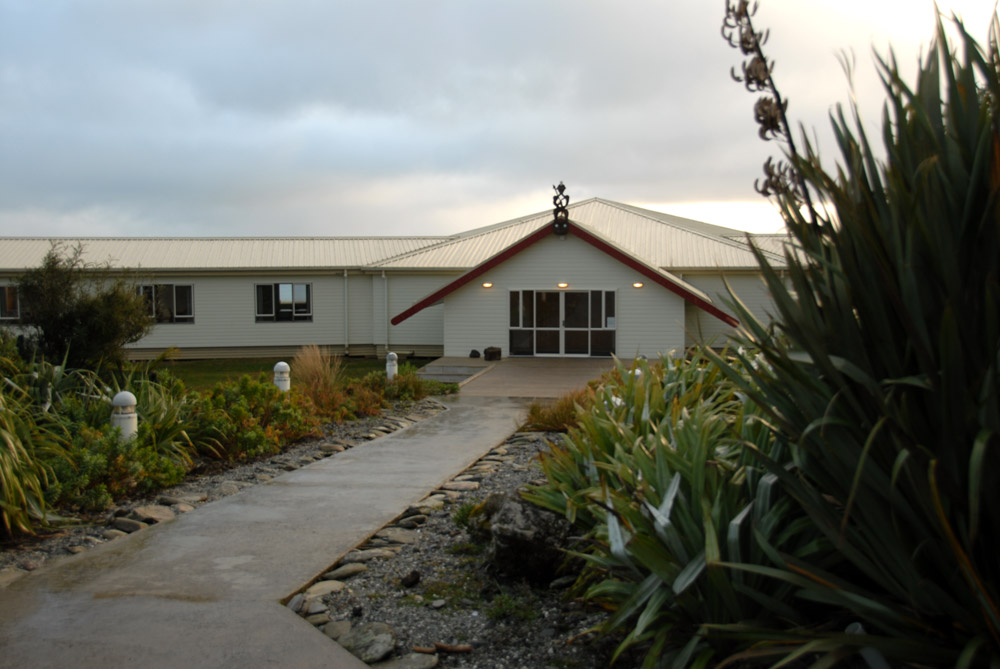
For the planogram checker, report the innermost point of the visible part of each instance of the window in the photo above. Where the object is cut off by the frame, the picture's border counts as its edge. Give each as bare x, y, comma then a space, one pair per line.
10, 307
169, 303
284, 302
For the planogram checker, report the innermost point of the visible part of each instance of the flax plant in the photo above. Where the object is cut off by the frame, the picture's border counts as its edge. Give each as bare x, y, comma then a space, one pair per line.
656, 473
885, 376
26, 437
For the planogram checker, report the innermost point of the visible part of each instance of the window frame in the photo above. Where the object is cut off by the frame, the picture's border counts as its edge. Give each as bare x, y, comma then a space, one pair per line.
6, 291
162, 311
299, 311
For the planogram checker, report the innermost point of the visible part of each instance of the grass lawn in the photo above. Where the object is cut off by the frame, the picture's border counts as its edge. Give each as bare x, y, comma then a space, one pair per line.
204, 374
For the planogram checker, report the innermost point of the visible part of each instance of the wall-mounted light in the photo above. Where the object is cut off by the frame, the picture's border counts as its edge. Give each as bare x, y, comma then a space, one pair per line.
637, 284
487, 284
563, 284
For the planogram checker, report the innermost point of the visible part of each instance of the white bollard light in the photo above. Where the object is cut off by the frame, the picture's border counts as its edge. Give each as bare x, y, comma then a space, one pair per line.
391, 366
283, 376
123, 414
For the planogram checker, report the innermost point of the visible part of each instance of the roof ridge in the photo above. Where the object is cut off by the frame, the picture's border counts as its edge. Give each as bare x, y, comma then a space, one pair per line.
516, 221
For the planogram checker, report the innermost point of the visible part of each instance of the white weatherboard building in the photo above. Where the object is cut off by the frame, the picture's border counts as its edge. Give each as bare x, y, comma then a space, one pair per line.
621, 280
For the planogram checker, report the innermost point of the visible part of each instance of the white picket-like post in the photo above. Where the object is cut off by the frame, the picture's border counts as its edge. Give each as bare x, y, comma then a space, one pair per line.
123, 414
283, 376
391, 366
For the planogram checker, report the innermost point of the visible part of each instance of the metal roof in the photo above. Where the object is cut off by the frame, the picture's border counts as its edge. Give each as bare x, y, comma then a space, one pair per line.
175, 254
660, 240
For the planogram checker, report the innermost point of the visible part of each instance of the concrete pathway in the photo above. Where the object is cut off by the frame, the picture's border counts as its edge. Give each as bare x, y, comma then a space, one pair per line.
204, 590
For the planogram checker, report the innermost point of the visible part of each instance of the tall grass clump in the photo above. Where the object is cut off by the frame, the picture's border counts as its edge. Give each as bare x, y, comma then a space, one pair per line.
318, 373
558, 416
883, 372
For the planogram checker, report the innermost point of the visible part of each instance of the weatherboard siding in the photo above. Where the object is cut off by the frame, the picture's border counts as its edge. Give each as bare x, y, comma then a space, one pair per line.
225, 315
422, 332
650, 320
425, 328
751, 290
360, 312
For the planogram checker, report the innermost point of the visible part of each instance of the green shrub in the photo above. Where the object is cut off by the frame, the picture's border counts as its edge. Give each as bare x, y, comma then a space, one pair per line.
103, 469
249, 419
463, 513
367, 394
9, 353
406, 385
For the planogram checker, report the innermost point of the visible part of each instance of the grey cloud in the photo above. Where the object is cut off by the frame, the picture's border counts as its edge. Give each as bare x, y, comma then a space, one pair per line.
216, 116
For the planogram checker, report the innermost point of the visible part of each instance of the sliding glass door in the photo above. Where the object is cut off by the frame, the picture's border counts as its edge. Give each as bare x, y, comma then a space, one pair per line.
562, 322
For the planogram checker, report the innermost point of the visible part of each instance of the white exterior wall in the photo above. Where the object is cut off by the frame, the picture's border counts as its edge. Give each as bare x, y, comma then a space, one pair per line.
225, 314
360, 317
426, 327
649, 320
705, 328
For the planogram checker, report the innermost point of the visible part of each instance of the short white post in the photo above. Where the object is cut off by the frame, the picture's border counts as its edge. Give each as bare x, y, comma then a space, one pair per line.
283, 376
391, 366
123, 414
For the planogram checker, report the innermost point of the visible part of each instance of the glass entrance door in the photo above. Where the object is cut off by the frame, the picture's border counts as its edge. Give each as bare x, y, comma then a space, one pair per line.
576, 323
547, 317
556, 322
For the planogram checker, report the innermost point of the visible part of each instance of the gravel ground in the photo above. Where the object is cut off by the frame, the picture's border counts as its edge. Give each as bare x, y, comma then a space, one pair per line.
461, 607
460, 601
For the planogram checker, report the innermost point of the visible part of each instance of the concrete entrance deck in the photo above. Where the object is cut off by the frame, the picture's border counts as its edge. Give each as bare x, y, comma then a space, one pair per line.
536, 378
204, 590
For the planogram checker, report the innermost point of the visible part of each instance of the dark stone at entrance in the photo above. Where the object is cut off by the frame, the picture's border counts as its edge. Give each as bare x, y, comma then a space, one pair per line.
492, 353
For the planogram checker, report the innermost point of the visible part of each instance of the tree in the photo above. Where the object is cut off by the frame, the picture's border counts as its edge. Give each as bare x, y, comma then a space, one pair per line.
80, 311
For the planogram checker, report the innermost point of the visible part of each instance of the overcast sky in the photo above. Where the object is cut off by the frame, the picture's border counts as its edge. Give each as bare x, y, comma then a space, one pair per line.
328, 117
